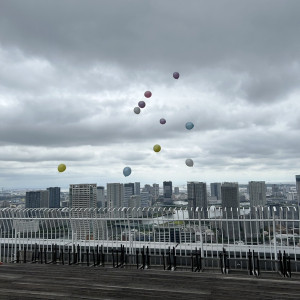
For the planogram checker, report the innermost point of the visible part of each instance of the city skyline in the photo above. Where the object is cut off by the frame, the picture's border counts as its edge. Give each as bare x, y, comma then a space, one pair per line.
68, 91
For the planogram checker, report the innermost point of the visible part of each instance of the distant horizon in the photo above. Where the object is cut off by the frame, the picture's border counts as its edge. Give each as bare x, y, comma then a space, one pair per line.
142, 184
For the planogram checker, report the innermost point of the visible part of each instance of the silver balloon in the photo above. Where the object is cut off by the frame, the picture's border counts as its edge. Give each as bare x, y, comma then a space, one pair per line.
189, 162
137, 110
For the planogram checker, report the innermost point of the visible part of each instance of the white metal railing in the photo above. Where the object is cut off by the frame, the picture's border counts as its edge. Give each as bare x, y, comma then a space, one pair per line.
264, 230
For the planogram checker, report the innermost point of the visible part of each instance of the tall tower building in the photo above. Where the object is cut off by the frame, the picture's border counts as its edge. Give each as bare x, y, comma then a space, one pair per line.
257, 193
167, 186
155, 191
137, 187
176, 190
128, 192
298, 187
100, 196
83, 196
135, 201
115, 195
197, 196
54, 197
230, 198
37, 199
215, 189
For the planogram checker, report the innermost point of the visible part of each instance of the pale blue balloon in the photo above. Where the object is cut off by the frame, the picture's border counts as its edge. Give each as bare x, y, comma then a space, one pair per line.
189, 125
127, 171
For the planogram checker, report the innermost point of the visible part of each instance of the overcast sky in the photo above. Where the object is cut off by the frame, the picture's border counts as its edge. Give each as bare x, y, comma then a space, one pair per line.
71, 73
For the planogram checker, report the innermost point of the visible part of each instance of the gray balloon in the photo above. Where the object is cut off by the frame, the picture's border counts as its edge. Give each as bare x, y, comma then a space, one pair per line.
137, 110
189, 162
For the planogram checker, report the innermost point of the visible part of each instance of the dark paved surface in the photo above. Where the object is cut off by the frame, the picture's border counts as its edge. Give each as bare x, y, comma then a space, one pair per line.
30, 281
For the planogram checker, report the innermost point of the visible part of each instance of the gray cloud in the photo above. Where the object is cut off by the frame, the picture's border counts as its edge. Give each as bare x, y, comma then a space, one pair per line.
71, 73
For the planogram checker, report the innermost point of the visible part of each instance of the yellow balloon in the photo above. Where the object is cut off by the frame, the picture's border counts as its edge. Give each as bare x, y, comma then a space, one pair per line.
156, 148
61, 168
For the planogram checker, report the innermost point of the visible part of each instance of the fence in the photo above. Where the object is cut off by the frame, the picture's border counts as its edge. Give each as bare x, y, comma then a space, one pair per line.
268, 232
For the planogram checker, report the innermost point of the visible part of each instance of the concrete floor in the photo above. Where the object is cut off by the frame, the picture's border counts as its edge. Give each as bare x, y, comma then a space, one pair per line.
33, 281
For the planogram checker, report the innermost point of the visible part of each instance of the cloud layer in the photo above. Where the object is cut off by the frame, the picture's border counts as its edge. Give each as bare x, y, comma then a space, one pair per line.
71, 73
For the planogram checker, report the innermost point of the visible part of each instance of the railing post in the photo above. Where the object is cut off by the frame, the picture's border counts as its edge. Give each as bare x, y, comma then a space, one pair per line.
137, 258
94, 258
41, 255
200, 260
289, 272
280, 262
62, 256
257, 266
18, 256
113, 258
147, 258
87, 257
174, 259
221, 262
45, 255
117, 254
102, 256
24, 258
250, 262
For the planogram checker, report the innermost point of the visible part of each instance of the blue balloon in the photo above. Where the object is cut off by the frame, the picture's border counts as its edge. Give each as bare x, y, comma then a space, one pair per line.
126, 171
189, 125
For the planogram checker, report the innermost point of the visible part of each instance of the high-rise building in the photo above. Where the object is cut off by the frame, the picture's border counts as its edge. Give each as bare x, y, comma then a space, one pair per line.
257, 193
215, 190
135, 201
155, 191
167, 186
275, 190
176, 190
37, 199
197, 196
115, 195
128, 192
137, 187
230, 198
298, 187
146, 198
54, 197
83, 196
100, 196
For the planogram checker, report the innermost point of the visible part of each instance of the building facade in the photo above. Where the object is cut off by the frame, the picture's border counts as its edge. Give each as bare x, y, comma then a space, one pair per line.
230, 199
257, 193
115, 195
167, 187
197, 196
83, 197
215, 190
37, 199
54, 197
298, 187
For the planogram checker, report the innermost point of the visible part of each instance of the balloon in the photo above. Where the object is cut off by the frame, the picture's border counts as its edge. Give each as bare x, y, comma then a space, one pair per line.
189, 125
189, 162
127, 171
147, 94
142, 104
162, 121
156, 148
176, 75
137, 110
61, 168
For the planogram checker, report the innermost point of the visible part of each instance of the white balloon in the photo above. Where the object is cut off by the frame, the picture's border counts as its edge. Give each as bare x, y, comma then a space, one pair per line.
189, 162
137, 110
